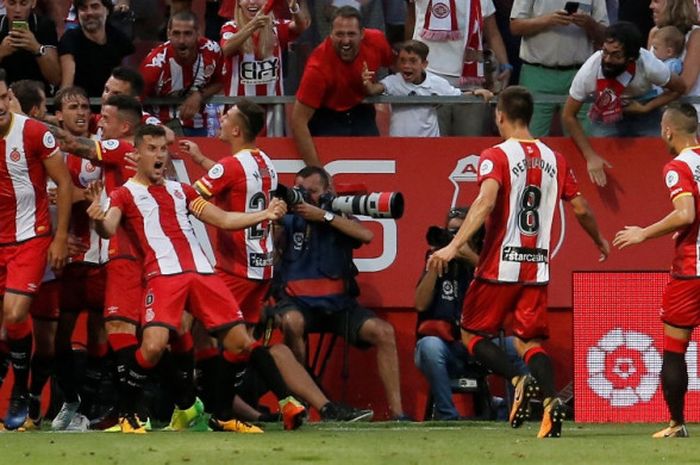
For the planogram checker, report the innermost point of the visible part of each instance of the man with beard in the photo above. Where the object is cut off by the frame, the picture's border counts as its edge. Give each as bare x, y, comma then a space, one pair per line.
90, 52
187, 66
680, 309
620, 77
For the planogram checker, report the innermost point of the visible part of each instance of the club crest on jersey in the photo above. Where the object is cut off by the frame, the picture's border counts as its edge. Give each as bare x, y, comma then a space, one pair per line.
486, 167
89, 167
227, 35
49, 141
672, 178
15, 155
216, 171
179, 195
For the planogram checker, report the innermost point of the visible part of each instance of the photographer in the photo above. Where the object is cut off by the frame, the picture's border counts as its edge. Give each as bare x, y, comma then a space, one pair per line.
318, 292
440, 354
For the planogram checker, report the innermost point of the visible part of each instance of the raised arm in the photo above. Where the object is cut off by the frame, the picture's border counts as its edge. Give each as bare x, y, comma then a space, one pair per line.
106, 222
193, 150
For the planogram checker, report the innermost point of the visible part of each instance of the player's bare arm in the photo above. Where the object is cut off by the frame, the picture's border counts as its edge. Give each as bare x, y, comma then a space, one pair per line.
481, 208
57, 170
106, 222
215, 216
195, 153
83, 147
683, 214
595, 163
587, 220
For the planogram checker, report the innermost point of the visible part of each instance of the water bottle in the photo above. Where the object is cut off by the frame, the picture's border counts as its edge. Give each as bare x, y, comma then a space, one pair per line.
211, 111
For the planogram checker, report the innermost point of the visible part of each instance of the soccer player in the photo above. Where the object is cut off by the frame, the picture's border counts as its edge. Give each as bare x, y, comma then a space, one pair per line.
680, 310
521, 182
31, 156
177, 273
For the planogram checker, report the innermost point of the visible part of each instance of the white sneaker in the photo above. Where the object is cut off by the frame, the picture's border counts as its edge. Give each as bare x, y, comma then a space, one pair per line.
80, 423
65, 415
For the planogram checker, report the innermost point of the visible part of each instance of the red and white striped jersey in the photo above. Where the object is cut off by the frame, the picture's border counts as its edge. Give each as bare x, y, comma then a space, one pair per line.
682, 177
158, 216
164, 77
83, 172
532, 180
24, 203
111, 155
251, 74
243, 183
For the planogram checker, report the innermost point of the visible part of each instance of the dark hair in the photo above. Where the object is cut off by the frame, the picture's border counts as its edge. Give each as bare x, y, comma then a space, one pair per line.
131, 76
415, 46
106, 3
129, 108
146, 130
688, 121
516, 103
28, 94
628, 35
253, 118
68, 93
3, 75
185, 15
309, 171
347, 12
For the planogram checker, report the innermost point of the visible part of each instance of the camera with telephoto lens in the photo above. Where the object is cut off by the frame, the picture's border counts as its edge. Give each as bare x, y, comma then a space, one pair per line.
438, 237
374, 204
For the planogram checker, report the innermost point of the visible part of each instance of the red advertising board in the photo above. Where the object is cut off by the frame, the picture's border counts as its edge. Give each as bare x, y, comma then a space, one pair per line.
618, 348
435, 174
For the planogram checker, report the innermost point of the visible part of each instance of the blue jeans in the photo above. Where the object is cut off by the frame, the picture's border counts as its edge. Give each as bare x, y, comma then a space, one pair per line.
439, 361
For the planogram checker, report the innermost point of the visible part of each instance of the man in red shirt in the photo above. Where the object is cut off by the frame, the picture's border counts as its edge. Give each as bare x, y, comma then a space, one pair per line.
186, 66
329, 99
31, 156
680, 310
521, 182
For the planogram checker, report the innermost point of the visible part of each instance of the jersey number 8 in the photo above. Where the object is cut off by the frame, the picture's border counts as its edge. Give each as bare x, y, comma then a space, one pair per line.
528, 217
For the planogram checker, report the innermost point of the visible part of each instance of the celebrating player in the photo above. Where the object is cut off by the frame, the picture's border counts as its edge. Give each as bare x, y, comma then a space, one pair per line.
520, 184
680, 311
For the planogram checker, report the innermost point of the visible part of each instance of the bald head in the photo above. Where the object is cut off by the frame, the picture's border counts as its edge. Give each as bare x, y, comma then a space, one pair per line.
682, 118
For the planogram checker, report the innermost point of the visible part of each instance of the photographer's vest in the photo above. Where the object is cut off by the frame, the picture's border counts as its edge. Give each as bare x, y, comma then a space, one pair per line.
446, 306
316, 264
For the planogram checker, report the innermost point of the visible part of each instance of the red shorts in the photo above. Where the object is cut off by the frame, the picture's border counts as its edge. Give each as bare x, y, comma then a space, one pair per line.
22, 265
45, 302
83, 288
124, 290
681, 303
486, 305
206, 296
249, 293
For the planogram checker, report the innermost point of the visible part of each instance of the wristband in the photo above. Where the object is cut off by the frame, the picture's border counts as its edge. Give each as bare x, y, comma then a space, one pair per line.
505, 66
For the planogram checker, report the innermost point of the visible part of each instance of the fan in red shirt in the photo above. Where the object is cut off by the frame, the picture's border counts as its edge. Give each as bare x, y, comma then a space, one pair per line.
186, 66
329, 99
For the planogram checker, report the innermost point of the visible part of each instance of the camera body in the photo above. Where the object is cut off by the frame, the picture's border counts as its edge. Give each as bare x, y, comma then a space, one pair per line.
438, 237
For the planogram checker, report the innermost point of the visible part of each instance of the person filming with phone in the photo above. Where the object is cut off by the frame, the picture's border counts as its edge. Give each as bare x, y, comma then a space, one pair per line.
557, 38
28, 44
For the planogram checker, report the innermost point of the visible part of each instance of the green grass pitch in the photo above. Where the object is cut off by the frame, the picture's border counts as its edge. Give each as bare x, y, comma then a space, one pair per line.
365, 444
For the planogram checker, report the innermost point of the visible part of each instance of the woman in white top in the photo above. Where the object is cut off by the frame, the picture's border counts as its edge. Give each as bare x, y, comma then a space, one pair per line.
684, 15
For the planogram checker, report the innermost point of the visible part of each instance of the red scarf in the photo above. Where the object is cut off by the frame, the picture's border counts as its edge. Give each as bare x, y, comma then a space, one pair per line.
473, 67
607, 107
441, 21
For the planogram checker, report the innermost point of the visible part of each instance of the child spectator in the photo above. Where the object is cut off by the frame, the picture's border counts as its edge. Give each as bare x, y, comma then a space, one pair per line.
413, 79
667, 46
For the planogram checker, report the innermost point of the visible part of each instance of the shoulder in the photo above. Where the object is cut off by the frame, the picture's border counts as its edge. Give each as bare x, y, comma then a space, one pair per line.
208, 46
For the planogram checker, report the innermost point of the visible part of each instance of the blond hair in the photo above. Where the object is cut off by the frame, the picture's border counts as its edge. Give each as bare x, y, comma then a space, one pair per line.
267, 39
671, 37
680, 13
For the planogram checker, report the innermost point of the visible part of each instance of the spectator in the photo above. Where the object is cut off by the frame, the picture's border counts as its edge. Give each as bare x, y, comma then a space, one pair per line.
89, 53
440, 353
318, 289
456, 54
329, 99
682, 14
28, 45
187, 66
555, 43
252, 45
413, 79
667, 45
621, 72
31, 98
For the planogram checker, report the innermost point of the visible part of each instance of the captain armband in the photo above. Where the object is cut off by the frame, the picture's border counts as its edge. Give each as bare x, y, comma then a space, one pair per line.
197, 206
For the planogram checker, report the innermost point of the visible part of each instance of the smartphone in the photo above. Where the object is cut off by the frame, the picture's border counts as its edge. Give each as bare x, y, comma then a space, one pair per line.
571, 7
20, 25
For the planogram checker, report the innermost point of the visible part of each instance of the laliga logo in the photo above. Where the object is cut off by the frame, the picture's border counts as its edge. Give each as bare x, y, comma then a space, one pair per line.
624, 367
466, 170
